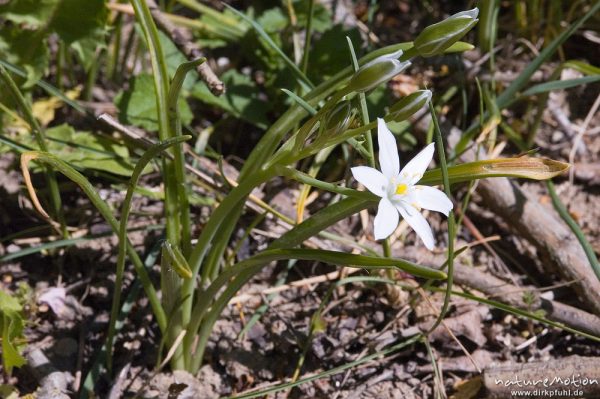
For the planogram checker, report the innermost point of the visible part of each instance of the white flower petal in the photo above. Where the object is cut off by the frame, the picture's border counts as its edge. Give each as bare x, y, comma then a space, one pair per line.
419, 225
391, 56
388, 151
386, 220
414, 169
371, 178
432, 199
469, 14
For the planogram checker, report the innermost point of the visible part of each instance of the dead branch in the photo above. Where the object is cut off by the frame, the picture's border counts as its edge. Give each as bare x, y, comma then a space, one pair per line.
547, 232
53, 383
510, 294
183, 40
543, 228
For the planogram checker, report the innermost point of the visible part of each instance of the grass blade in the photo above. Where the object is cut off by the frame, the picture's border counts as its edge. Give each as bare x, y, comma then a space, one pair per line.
148, 156
333, 371
40, 137
509, 94
105, 211
560, 85
564, 214
300, 76
439, 143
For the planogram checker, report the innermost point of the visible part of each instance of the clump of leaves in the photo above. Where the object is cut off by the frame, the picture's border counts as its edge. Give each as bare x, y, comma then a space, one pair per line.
24, 41
11, 327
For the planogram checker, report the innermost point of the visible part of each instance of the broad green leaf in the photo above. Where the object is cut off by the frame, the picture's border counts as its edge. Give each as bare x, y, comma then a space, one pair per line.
88, 150
174, 58
11, 326
211, 43
268, 41
377, 100
326, 58
32, 13
322, 19
137, 105
8, 304
273, 20
28, 49
85, 150
240, 100
81, 25
8, 391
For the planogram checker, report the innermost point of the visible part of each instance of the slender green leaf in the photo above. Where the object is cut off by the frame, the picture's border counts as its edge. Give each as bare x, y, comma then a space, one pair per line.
439, 143
522, 313
307, 107
105, 211
241, 99
564, 214
582, 67
261, 32
148, 156
509, 94
68, 242
560, 85
138, 105
53, 91
336, 370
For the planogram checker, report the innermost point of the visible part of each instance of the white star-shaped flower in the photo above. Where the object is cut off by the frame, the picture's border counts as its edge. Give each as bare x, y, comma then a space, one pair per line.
400, 195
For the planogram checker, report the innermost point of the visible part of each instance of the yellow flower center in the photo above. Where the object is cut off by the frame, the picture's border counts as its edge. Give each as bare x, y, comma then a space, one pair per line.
401, 189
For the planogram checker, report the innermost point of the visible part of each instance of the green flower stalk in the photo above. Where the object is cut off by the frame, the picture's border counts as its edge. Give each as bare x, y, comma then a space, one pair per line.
436, 38
376, 72
408, 105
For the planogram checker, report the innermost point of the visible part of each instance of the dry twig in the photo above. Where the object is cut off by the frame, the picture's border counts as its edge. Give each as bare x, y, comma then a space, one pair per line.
182, 40
512, 295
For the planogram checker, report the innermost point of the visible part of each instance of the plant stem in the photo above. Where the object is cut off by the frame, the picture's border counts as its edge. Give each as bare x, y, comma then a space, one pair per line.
176, 200
439, 142
307, 39
364, 111
148, 156
161, 85
179, 161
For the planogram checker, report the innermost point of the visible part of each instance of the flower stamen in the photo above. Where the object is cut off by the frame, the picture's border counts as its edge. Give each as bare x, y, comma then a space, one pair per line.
401, 189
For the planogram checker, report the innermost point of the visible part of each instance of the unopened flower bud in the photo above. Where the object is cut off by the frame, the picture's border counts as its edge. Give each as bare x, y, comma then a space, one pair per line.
436, 38
377, 71
339, 118
410, 104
